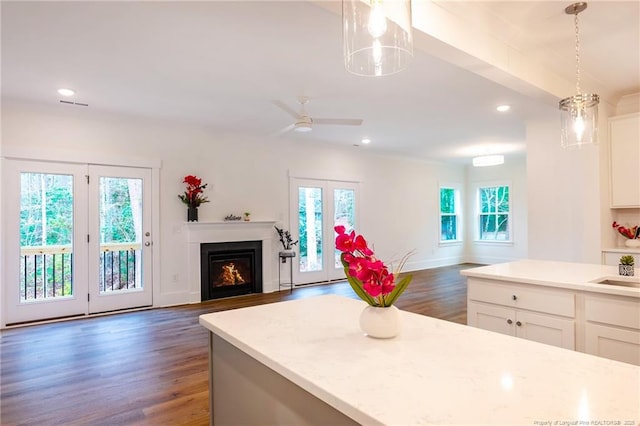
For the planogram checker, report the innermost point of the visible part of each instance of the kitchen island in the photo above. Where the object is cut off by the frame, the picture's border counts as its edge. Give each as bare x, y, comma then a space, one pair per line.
307, 362
583, 307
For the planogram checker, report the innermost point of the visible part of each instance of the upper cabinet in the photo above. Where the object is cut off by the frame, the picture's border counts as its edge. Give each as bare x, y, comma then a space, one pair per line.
624, 136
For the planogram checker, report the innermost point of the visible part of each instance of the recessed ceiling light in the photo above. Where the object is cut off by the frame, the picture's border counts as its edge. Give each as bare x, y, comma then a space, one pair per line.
503, 108
66, 92
366, 141
488, 160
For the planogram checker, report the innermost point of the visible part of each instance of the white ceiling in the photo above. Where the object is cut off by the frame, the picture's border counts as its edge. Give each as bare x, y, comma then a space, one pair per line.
221, 64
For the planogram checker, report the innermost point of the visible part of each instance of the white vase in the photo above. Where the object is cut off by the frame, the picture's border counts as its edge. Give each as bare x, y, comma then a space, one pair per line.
381, 323
635, 243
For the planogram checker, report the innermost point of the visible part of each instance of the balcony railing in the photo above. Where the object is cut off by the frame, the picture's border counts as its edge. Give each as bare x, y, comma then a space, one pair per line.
46, 271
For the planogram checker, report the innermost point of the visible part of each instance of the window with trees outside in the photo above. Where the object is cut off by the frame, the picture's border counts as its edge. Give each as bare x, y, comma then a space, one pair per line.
494, 210
449, 214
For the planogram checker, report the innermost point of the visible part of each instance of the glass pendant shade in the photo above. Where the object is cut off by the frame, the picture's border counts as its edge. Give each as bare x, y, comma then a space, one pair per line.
579, 120
377, 36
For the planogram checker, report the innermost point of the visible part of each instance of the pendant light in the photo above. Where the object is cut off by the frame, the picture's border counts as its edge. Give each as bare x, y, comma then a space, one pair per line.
377, 36
578, 113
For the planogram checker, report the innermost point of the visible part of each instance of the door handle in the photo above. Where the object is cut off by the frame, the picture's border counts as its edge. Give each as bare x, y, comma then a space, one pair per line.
509, 321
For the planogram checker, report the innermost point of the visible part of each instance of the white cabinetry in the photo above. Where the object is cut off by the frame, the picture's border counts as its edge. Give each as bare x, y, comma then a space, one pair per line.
624, 137
612, 328
612, 256
543, 315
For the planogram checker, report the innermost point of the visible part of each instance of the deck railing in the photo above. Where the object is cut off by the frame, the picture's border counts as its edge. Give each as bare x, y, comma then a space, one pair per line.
46, 271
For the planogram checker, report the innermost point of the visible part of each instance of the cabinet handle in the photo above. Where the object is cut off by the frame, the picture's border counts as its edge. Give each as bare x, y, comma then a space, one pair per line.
518, 323
509, 321
514, 297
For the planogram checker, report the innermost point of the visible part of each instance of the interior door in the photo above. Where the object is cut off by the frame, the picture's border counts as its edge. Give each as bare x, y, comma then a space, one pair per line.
120, 241
45, 240
316, 207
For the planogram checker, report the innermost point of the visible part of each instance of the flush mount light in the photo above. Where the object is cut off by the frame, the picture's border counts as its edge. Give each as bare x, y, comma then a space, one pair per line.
503, 108
66, 92
366, 141
488, 160
377, 36
578, 113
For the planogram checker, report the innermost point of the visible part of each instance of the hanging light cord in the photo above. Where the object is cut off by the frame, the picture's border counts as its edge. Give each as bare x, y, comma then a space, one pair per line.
577, 54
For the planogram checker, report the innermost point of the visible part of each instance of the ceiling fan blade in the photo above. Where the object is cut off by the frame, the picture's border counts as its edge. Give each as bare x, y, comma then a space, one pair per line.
338, 121
286, 109
282, 131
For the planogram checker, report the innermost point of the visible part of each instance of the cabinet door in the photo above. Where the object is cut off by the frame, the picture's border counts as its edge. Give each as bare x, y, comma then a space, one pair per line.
546, 329
492, 318
613, 343
624, 136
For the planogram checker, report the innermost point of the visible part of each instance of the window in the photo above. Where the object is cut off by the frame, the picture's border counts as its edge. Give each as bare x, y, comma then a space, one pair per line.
494, 209
449, 214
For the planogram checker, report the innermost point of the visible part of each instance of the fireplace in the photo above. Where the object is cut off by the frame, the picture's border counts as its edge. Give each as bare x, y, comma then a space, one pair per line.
230, 269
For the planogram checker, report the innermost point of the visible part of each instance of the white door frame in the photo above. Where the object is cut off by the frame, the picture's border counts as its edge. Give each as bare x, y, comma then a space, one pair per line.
43, 153
329, 271
121, 299
15, 311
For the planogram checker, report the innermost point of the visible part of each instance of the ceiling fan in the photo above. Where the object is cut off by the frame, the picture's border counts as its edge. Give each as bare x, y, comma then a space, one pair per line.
304, 122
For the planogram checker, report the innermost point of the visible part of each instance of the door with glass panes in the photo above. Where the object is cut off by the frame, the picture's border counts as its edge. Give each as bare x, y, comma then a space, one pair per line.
75, 239
317, 206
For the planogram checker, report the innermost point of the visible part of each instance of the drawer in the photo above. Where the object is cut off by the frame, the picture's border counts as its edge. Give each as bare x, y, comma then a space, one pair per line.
545, 300
613, 310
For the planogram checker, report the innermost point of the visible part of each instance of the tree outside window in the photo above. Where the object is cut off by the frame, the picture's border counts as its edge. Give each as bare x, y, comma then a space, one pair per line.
494, 212
449, 218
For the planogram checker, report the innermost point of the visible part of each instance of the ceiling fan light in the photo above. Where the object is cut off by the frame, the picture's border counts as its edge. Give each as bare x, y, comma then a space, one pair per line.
302, 127
488, 160
377, 36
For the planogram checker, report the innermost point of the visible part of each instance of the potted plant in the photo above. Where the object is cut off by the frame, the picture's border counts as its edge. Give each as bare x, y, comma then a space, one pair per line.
247, 216
625, 267
287, 244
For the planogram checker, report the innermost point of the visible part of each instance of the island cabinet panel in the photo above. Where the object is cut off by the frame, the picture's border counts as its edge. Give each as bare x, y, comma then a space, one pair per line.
613, 327
550, 301
541, 328
542, 315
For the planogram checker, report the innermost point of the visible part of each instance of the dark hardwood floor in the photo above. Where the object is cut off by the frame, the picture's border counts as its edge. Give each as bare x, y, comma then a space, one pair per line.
150, 367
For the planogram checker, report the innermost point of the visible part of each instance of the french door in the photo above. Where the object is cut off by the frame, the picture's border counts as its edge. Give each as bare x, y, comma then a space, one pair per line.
76, 239
317, 206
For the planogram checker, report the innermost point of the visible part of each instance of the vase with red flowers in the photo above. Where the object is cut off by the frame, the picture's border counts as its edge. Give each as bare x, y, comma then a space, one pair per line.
372, 281
631, 234
192, 196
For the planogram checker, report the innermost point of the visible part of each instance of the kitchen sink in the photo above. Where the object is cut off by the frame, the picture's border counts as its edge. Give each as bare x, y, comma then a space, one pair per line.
619, 281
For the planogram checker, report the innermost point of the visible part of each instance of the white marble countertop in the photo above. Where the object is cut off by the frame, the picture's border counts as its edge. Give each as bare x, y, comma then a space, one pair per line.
575, 276
434, 372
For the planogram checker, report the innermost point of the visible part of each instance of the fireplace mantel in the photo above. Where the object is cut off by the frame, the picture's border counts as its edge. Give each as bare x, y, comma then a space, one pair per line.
220, 232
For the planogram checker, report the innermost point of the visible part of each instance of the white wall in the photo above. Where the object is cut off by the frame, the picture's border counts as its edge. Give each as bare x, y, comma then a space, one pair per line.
399, 198
564, 197
514, 173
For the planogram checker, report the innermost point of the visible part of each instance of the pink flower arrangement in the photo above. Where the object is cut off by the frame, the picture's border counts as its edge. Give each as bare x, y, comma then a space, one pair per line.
630, 233
368, 276
192, 196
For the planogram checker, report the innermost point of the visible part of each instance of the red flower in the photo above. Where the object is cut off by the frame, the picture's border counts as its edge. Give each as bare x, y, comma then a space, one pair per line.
368, 276
625, 232
191, 196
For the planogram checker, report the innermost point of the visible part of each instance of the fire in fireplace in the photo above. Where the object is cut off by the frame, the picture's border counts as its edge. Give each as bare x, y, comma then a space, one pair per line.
230, 269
